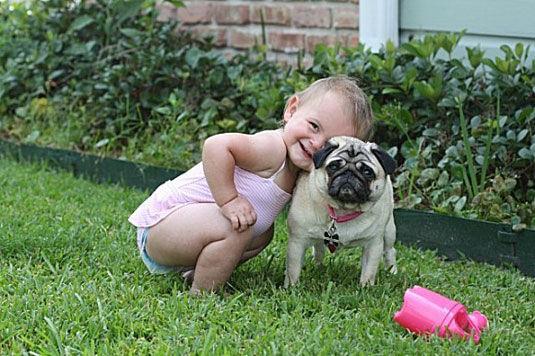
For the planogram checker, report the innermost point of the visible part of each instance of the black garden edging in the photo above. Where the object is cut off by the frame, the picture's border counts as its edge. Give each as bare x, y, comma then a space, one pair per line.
453, 237
95, 168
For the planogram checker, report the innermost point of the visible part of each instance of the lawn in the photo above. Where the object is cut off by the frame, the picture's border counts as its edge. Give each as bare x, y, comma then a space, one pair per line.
71, 282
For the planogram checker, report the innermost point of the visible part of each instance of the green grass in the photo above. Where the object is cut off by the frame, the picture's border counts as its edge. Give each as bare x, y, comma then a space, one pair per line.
71, 282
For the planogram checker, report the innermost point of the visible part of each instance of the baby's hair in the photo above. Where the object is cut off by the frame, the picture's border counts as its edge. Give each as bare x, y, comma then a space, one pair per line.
359, 106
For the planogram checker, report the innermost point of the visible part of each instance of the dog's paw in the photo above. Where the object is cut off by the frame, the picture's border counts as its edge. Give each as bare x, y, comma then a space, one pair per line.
288, 283
319, 253
366, 281
365, 284
392, 269
367, 276
319, 263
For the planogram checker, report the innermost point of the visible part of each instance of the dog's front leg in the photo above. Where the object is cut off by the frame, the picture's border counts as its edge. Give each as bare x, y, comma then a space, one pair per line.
294, 261
371, 256
390, 251
319, 252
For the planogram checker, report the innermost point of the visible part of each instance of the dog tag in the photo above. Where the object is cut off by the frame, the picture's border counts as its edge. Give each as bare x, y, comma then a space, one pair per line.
331, 236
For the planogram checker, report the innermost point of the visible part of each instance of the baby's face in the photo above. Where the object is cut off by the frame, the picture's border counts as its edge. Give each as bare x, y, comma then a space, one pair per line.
311, 124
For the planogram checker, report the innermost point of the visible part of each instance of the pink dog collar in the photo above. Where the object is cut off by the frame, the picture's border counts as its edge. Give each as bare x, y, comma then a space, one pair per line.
343, 218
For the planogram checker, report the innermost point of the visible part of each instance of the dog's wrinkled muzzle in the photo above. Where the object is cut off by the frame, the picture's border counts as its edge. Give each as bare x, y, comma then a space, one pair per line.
348, 188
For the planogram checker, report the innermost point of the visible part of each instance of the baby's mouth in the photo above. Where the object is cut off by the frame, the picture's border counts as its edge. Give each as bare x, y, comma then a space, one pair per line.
307, 153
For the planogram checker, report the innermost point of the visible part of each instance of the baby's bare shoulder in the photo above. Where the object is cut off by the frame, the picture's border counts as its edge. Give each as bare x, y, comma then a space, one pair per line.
269, 151
269, 137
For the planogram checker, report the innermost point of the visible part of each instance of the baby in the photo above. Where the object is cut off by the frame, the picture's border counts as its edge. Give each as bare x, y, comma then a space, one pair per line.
221, 212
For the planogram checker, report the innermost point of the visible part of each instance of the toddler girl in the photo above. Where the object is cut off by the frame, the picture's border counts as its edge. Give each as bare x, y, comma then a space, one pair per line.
221, 211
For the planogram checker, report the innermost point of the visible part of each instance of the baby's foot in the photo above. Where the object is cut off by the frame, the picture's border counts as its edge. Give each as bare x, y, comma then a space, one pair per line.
196, 292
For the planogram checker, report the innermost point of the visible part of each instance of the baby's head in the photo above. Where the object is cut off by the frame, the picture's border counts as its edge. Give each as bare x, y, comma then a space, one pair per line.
355, 104
333, 106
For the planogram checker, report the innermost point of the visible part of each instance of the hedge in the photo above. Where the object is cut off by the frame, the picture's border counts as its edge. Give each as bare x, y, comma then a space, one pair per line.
106, 77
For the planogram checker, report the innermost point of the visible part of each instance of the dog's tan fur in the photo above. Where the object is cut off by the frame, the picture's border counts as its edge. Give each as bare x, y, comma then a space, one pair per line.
374, 230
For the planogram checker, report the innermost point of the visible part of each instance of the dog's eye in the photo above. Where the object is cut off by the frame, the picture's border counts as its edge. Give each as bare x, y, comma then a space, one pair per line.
334, 166
367, 172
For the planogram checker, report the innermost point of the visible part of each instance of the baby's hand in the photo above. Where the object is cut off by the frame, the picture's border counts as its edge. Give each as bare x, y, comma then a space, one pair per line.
240, 213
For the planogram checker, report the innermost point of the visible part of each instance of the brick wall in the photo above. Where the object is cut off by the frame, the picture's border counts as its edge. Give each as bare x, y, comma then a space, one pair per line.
290, 26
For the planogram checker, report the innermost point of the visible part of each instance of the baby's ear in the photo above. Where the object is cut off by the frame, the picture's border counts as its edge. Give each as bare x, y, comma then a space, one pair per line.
320, 156
291, 107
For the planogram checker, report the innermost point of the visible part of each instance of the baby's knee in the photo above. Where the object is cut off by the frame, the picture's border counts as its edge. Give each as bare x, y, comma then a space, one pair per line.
261, 241
248, 254
239, 244
239, 239
230, 247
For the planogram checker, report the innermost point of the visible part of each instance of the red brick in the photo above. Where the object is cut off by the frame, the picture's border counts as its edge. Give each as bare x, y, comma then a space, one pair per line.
291, 59
346, 17
166, 12
307, 61
347, 1
311, 16
229, 53
351, 40
286, 60
195, 14
286, 42
231, 14
242, 39
329, 40
219, 35
273, 14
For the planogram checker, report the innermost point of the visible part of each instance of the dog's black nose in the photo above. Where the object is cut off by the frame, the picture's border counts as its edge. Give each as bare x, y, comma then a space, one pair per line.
346, 193
348, 188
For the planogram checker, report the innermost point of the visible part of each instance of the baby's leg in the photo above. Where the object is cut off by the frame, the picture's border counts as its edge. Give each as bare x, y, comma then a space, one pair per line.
257, 245
199, 235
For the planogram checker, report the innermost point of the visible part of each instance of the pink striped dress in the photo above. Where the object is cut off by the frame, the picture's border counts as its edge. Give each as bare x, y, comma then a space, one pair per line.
267, 198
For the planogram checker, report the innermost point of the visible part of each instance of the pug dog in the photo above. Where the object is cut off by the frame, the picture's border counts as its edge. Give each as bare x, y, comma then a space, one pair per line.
345, 201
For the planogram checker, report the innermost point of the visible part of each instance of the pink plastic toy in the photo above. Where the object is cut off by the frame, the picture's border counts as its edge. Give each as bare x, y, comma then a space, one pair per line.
427, 312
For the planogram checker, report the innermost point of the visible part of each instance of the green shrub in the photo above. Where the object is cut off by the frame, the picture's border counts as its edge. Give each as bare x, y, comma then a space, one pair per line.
137, 84
108, 77
461, 126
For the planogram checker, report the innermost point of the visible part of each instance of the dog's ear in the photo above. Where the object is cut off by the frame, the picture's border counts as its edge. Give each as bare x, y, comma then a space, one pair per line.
320, 156
388, 163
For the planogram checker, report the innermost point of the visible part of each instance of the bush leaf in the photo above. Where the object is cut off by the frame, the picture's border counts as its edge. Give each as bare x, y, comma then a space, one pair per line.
81, 22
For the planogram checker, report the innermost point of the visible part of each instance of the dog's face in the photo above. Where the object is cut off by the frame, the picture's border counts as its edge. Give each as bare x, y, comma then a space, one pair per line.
351, 171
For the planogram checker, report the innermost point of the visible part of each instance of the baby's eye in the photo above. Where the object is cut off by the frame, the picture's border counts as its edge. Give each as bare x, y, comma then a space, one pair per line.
314, 126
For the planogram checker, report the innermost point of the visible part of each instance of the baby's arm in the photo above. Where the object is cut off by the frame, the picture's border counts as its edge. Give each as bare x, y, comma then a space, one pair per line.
264, 151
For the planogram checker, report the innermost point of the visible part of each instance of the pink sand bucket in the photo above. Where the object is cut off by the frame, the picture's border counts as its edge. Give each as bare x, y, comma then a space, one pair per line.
426, 312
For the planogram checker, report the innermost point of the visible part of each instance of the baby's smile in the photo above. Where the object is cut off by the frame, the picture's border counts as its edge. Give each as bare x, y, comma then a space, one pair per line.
308, 154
